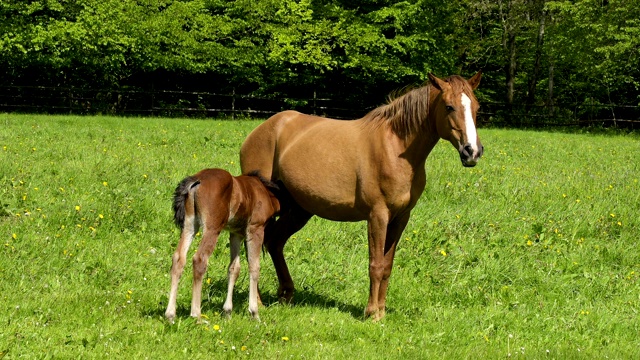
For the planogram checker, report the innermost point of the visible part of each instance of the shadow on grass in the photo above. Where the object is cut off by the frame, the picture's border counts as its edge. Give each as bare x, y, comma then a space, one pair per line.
214, 295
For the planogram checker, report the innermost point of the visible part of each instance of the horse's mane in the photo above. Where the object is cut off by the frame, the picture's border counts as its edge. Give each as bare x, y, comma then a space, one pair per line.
407, 111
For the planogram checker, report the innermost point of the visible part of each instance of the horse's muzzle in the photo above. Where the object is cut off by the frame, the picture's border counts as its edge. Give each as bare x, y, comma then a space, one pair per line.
469, 156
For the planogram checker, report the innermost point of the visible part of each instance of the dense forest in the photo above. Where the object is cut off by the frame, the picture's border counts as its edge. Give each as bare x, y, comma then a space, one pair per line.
531, 52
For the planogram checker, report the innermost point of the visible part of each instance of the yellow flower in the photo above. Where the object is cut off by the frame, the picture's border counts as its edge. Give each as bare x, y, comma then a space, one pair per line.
101, 216
284, 338
216, 327
104, 183
244, 348
529, 243
444, 253
77, 207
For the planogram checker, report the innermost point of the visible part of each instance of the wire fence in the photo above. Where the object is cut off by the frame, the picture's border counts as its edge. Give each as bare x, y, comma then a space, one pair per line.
170, 103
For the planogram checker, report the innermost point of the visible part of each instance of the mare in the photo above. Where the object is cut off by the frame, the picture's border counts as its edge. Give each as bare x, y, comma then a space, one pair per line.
216, 200
369, 169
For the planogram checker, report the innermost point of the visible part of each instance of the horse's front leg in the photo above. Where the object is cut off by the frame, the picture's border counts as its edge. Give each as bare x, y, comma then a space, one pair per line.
255, 237
276, 237
235, 241
394, 233
377, 231
200, 261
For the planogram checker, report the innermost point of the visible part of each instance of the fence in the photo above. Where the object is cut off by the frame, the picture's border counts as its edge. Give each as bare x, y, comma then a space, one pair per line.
40, 99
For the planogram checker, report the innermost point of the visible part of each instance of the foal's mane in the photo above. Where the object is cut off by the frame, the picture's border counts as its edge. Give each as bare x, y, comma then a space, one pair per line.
407, 111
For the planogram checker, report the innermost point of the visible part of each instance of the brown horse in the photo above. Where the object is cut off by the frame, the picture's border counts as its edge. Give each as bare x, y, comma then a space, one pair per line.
369, 169
216, 200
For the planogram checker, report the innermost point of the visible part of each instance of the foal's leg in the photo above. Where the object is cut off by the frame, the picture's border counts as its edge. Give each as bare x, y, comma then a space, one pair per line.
255, 237
235, 241
377, 231
189, 230
276, 237
394, 233
200, 259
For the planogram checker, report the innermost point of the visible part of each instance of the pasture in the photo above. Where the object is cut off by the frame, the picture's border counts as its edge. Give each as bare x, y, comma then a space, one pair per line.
534, 253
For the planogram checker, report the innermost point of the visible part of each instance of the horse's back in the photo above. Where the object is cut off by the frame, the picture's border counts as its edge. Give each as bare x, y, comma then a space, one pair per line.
318, 160
258, 151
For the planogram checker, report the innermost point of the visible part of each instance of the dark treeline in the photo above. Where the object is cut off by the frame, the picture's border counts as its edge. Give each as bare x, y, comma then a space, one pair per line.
532, 52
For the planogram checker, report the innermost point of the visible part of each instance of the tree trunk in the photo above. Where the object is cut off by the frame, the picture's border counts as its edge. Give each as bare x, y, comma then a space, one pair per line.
533, 81
550, 95
511, 66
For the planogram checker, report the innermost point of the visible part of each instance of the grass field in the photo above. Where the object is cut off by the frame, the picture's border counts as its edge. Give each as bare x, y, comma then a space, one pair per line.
534, 253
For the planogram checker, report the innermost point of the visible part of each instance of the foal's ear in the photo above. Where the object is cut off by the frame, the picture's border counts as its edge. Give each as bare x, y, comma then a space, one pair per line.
475, 80
437, 83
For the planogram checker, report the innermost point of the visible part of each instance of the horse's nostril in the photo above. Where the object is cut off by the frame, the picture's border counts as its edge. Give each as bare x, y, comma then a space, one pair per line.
468, 150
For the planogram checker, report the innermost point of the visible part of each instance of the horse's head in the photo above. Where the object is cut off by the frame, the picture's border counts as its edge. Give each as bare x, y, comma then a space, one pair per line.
456, 109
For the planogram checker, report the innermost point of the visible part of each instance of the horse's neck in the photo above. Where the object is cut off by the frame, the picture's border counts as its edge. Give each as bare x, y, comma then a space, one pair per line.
420, 143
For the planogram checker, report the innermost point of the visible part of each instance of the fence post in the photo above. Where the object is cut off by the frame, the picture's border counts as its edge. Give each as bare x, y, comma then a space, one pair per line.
314, 102
153, 94
233, 104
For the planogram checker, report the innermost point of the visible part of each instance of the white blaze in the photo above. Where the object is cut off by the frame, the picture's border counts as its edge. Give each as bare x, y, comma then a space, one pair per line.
470, 127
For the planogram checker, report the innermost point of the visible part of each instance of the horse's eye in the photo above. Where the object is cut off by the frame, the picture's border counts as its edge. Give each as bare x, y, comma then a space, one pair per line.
450, 108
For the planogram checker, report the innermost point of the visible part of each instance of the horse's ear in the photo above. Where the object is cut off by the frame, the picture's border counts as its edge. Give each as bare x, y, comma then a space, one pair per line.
437, 83
475, 80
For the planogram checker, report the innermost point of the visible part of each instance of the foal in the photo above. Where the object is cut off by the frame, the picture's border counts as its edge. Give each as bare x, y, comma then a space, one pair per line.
216, 200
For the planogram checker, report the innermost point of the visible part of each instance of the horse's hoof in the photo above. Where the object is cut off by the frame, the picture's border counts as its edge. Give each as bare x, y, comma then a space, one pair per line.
375, 315
285, 296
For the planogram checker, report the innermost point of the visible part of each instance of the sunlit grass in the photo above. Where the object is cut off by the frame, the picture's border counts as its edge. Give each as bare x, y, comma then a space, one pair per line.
532, 253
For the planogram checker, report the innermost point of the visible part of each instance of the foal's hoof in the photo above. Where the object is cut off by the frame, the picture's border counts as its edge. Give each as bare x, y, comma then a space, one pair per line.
171, 317
227, 314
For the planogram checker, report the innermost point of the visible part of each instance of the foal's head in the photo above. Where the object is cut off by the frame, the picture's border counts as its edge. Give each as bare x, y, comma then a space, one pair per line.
455, 113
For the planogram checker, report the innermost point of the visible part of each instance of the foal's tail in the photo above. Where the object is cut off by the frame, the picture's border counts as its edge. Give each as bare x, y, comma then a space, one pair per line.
180, 197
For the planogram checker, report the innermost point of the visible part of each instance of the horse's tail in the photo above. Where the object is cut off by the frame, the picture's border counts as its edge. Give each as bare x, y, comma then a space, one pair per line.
180, 197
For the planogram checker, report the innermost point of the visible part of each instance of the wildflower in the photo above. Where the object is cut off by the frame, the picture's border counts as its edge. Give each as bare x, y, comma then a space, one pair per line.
101, 216
285, 338
243, 348
444, 253
104, 183
14, 236
216, 327
529, 243
77, 207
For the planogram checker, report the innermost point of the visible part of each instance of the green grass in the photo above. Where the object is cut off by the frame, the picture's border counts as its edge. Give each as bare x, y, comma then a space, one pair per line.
533, 253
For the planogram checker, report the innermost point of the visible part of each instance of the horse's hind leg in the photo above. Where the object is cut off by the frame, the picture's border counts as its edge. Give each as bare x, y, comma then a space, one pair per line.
255, 237
189, 229
276, 237
235, 242
200, 260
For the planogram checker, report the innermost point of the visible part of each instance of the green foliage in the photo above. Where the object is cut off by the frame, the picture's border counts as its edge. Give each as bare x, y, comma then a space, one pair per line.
563, 52
532, 253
